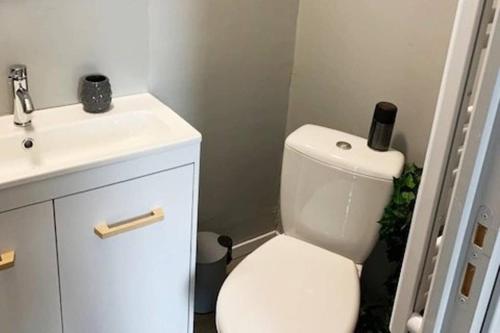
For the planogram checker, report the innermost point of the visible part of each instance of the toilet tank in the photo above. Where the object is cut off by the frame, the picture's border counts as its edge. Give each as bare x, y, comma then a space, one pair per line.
334, 189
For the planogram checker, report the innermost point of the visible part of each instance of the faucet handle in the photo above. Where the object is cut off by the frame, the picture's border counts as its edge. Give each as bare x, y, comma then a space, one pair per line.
18, 72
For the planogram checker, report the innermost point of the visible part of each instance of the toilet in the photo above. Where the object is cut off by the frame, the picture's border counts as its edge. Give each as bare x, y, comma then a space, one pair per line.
333, 191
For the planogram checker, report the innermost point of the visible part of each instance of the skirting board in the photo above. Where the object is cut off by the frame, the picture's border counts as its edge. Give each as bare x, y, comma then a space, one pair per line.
244, 248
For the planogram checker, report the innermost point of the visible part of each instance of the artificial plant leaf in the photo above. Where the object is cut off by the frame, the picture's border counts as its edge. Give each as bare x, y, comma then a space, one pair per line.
408, 197
410, 181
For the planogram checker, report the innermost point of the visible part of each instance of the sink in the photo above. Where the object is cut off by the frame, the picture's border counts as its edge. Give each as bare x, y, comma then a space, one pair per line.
67, 139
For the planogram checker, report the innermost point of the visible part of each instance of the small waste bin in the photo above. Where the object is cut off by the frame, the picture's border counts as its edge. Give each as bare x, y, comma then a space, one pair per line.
213, 254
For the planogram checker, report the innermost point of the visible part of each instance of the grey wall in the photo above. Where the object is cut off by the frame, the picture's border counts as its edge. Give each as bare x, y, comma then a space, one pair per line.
60, 40
351, 54
225, 66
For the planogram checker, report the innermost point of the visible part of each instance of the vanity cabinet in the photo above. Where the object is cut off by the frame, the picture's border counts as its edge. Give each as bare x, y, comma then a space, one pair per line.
111, 251
29, 288
101, 216
124, 255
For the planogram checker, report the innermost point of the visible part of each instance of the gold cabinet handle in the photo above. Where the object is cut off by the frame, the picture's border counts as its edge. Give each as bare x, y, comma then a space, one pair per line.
105, 230
7, 260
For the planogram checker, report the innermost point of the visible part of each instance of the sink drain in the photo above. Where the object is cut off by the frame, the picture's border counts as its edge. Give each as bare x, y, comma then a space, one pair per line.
28, 143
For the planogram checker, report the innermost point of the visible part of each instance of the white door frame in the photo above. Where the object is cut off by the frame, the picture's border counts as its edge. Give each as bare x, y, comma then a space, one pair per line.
461, 68
442, 309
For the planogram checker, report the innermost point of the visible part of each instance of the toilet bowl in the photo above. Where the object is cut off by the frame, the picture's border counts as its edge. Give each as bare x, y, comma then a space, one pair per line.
333, 192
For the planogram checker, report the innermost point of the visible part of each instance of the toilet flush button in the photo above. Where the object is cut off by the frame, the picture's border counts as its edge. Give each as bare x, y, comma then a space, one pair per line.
344, 145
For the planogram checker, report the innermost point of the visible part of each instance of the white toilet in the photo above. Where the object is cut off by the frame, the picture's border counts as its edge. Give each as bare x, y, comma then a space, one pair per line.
333, 191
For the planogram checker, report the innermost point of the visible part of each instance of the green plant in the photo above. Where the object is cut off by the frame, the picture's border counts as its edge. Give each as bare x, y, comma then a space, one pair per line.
395, 223
394, 229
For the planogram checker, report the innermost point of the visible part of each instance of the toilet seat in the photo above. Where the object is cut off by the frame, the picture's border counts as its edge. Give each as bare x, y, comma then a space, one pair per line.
290, 286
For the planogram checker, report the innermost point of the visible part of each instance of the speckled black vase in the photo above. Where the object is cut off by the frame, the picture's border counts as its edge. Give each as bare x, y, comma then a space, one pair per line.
95, 93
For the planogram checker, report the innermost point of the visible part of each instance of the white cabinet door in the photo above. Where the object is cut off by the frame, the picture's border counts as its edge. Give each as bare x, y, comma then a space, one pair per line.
29, 288
133, 281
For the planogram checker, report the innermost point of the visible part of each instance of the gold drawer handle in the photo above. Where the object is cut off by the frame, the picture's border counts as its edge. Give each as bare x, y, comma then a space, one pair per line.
105, 231
7, 260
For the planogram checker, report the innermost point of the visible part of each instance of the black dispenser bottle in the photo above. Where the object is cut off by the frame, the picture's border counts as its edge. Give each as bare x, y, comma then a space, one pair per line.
383, 121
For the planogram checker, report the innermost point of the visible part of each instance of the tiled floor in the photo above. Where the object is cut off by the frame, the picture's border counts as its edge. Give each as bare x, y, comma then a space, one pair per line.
204, 323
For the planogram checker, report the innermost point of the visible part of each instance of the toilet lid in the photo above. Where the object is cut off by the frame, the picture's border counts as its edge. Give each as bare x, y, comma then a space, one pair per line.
290, 286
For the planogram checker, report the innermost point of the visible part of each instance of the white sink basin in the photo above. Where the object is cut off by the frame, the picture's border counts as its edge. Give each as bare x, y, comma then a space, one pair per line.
66, 139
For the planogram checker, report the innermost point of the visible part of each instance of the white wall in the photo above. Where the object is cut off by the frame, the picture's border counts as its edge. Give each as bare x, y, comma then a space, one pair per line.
351, 54
225, 66
60, 40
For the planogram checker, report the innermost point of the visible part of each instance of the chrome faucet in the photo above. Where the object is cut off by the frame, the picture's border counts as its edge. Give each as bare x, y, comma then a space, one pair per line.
23, 106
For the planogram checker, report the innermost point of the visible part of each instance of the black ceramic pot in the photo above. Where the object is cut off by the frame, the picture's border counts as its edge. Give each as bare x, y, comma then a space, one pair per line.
95, 93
